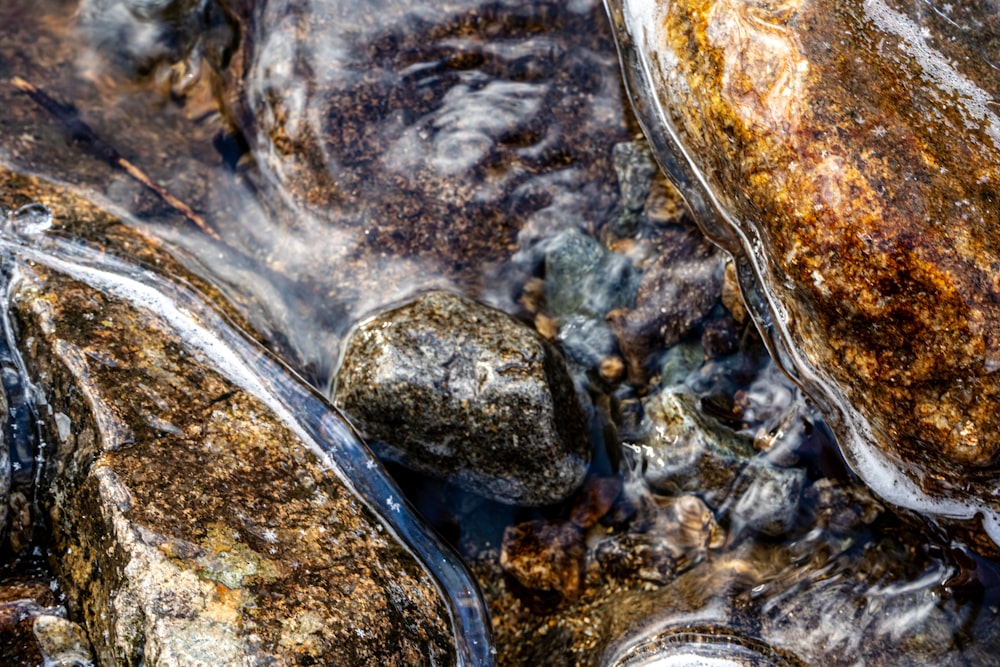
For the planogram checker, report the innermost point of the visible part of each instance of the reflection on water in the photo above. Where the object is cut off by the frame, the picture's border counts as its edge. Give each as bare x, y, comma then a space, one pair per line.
342, 160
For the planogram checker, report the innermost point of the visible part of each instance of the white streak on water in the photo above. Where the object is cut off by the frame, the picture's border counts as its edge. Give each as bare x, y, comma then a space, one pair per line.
940, 72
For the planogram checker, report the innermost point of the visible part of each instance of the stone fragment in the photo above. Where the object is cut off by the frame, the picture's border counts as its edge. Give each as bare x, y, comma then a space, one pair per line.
582, 277
683, 452
195, 522
545, 558
458, 390
594, 500
635, 169
61, 642
770, 502
583, 282
676, 292
17, 642
846, 155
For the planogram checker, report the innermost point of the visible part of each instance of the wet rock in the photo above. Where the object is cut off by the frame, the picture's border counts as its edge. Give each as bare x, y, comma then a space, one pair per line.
720, 337
430, 140
680, 361
665, 537
676, 292
684, 452
582, 277
583, 282
62, 643
770, 502
841, 508
34, 629
194, 523
450, 387
822, 600
636, 170
846, 156
545, 558
140, 37
594, 500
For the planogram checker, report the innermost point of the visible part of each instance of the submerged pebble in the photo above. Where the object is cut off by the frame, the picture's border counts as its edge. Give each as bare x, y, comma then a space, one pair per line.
685, 452
449, 387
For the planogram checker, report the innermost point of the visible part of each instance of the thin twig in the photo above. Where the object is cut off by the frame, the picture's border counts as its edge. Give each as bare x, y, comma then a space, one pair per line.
81, 132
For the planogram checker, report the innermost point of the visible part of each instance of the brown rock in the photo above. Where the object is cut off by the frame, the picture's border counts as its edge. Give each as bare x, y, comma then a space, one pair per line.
846, 155
546, 559
675, 293
195, 522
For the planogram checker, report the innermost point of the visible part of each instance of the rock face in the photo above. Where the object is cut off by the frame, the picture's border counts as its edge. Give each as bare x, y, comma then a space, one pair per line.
196, 522
846, 154
453, 388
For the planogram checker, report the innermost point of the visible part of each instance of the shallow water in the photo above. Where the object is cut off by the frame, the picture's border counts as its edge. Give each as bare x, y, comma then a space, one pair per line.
461, 138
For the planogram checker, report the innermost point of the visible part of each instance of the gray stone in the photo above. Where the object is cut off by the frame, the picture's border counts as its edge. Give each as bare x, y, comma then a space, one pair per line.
453, 388
770, 501
586, 340
683, 452
582, 277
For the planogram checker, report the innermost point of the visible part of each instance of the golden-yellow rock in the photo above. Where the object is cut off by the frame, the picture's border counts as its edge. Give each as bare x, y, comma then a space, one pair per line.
846, 154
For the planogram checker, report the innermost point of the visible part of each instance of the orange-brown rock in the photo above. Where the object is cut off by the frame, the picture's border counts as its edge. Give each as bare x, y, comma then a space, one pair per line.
845, 153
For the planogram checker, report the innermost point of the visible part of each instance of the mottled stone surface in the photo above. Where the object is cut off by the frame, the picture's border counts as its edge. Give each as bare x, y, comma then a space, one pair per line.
683, 452
655, 582
846, 153
453, 388
193, 524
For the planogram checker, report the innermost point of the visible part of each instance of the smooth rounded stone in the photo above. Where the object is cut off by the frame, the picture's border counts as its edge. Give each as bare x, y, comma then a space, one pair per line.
449, 387
194, 520
685, 452
846, 154
586, 340
582, 277
770, 501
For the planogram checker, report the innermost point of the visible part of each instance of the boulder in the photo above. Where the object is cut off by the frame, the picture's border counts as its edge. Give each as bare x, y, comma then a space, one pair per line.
846, 155
193, 519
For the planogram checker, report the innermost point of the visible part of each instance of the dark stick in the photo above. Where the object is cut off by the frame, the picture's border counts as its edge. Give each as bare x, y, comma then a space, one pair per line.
80, 131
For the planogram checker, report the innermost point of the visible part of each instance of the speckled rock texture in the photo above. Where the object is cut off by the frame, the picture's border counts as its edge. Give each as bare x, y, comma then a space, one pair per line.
456, 389
193, 524
676, 292
683, 452
846, 153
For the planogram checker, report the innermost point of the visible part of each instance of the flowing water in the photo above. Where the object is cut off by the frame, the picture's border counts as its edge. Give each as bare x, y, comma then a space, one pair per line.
317, 162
